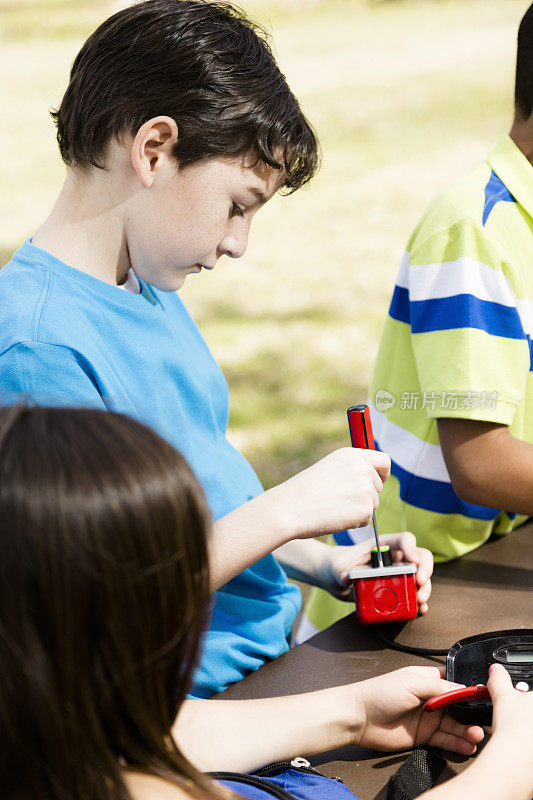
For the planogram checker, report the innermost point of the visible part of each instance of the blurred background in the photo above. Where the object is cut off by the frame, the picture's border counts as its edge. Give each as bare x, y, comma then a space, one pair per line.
405, 96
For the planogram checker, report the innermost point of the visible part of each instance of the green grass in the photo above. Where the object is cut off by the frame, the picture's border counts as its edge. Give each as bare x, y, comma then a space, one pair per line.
37, 20
404, 95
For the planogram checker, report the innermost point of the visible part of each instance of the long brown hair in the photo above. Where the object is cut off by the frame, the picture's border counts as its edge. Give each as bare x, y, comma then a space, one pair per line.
103, 600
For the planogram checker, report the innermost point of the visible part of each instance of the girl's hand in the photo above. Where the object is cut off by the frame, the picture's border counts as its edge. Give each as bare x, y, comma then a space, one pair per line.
391, 707
512, 715
338, 563
340, 491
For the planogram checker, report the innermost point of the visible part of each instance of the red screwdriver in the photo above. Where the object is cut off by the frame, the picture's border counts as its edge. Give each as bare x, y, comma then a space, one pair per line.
361, 435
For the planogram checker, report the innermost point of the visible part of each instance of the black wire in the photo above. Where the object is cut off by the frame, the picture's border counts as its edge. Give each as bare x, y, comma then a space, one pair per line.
407, 648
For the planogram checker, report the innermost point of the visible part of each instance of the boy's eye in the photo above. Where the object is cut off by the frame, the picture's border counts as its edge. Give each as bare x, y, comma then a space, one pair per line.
236, 211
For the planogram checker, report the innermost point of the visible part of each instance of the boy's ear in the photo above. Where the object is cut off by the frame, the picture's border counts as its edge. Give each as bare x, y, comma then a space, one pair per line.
152, 144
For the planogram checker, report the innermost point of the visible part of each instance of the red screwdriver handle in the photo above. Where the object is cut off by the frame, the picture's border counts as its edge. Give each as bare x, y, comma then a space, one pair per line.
361, 427
457, 696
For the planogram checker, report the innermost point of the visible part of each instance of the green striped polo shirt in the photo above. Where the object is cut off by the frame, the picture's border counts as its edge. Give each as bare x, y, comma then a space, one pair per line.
456, 343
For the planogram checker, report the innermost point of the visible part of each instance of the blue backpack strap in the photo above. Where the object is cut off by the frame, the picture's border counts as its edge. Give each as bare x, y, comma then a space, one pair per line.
286, 783
311, 785
251, 786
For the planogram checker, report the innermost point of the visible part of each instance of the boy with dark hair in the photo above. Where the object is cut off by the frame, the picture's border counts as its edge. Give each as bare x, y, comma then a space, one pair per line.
177, 126
452, 392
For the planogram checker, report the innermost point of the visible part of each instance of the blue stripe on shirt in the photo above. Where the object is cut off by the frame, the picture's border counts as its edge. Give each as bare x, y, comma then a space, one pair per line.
437, 496
459, 311
399, 307
465, 311
343, 537
433, 495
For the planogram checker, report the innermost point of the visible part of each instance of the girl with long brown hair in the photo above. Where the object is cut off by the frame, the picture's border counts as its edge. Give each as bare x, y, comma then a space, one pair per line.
104, 596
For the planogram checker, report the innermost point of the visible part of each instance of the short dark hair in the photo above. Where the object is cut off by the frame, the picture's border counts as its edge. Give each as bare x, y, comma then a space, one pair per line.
104, 592
524, 66
205, 65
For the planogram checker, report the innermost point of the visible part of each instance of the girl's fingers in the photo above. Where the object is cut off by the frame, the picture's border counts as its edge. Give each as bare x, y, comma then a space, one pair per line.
447, 741
471, 733
499, 681
437, 673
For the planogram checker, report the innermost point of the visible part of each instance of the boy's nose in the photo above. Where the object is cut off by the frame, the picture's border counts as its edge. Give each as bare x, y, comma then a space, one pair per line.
234, 244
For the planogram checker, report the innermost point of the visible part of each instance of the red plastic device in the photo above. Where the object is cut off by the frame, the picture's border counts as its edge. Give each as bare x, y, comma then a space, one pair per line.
386, 597
457, 696
384, 592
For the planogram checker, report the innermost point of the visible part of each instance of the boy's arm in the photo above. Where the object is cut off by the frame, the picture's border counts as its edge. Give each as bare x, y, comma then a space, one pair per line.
488, 466
339, 491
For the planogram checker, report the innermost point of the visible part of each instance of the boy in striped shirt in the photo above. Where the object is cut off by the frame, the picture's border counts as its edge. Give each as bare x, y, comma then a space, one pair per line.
452, 393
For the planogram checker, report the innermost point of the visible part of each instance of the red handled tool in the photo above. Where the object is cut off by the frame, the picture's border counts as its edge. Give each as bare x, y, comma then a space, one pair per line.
384, 592
361, 435
479, 692
457, 696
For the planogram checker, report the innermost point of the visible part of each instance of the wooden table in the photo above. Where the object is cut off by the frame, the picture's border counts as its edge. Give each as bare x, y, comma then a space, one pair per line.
489, 589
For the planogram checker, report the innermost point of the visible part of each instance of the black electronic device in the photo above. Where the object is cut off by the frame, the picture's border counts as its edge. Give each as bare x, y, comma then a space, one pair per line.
468, 662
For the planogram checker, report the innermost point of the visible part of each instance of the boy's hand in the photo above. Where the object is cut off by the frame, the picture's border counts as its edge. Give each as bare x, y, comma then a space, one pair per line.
341, 559
340, 491
391, 707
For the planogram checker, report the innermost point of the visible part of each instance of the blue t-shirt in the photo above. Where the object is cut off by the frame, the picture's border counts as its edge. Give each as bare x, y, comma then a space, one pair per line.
67, 338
